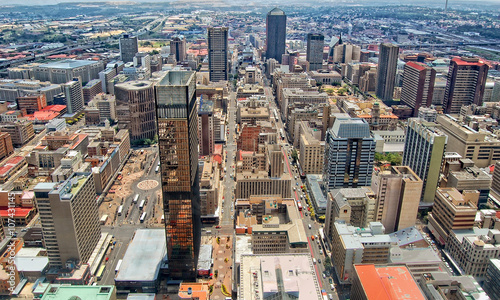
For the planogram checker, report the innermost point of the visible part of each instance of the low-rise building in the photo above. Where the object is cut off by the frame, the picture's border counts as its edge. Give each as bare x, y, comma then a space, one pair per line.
442, 286
259, 183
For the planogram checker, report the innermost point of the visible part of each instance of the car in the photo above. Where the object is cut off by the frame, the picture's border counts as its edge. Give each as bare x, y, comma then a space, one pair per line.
319, 260
217, 227
332, 287
309, 225
330, 296
305, 214
324, 276
321, 251
24, 230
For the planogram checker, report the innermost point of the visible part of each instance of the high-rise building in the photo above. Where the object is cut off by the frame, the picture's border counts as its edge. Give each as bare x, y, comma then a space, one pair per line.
74, 95
135, 108
418, 85
275, 34
129, 46
206, 127
178, 48
177, 120
315, 44
31, 103
424, 148
346, 53
349, 154
465, 85
492, 279
217, 53
495, 184
386, 76
398, 195
70, 218
452, 210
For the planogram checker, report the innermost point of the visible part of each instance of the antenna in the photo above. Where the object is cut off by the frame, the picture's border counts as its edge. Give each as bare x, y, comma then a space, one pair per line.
446, 6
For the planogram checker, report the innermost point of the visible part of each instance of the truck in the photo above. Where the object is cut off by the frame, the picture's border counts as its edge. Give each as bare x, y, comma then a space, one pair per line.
104, 218
120, 210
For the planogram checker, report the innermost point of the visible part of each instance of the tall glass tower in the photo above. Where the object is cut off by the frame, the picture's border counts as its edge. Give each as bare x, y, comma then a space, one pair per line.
275, 34
177, 118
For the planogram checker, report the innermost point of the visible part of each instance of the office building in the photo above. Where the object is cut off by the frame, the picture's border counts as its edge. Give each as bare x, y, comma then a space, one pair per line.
398, 193
178, 48
465, 84
206, 127
353, 245
6, 147
492, 279
442, 285
452, 210
354, 206
70, 219
218, 53
250, 183
384, 283
135, 109
278, 276
91, 89
464, 175
428, 114
346, 53
74, 95
349, 154
315, 44
482, 147
495, 185
20, 131
105, 77
423, 153
65, 70
312, 150
177, 120
31, 103
418, 86
275, 34
11, 89
386, 71
128, 48
472, 249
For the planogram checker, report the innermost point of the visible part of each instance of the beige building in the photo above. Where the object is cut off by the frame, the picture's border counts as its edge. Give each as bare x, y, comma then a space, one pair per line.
252, 114
304, 97
70, 219
480, 146
350, 247
452, 211
20, 132
354, 206
398, 193
259, 183
312, 150
209, 188
472, 249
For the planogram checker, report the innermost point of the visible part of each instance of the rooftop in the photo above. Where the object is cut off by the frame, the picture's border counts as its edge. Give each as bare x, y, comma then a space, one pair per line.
388, 283
181, 78
143, 256
68, 64
84, 292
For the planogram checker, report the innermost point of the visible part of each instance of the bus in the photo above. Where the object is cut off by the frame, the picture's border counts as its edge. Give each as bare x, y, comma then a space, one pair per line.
281, 134
143, 217
136, 198
100, 272
120, 210
118, 265
141, 206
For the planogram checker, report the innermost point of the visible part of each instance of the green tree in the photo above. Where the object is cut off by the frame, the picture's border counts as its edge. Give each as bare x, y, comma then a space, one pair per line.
294, 155
379, 157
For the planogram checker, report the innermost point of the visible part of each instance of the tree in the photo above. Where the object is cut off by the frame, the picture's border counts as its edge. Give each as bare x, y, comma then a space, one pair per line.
294, 155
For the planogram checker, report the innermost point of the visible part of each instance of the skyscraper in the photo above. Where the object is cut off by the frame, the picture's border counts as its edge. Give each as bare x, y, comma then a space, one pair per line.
217, 53
178, 47
386, 76
74, 95
206, 127
418, 85
315, 44
424, 148
465, 85
177, 119
128, 48
349, 154
69, 217
275, 34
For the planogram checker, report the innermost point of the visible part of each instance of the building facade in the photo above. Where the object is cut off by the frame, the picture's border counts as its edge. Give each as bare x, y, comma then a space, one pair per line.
315, 44
217, 53
386, 71
177, 120
424, 149
349, 154
129, 46
275, 34
418, 86
178, 48
465, 84
70, 218
74, 95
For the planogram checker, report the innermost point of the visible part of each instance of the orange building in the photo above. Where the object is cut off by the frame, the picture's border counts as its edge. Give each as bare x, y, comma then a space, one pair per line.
6, 147
372, 282
249, 138
31, 103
